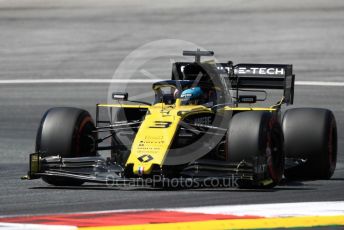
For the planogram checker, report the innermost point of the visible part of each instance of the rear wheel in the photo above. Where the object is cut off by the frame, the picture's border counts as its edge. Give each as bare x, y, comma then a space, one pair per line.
257, 139
67, 132
311, 142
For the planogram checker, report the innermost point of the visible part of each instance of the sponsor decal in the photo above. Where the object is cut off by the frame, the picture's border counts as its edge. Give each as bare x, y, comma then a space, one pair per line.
186, 95
259, 71
203, 120
145, 158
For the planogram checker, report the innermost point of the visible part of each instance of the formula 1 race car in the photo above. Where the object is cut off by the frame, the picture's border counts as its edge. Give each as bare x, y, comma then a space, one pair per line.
202, 125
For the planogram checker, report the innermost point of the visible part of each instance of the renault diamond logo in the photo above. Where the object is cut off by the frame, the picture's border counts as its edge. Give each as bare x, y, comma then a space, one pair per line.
145, 158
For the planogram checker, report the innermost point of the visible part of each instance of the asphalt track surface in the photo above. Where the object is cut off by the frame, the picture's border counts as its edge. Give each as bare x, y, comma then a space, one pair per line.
88, 40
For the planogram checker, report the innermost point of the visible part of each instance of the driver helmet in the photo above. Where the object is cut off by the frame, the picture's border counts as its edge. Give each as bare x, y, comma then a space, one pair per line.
191, 96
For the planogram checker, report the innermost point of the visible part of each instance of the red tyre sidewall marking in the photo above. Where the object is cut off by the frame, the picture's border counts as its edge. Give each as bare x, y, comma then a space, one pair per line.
78, 135
272, 171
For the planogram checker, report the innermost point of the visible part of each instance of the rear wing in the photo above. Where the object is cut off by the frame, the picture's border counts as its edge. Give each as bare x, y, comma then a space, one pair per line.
251, 76
265, 76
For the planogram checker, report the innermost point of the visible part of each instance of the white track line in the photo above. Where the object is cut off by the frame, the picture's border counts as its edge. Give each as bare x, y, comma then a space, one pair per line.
128, 81
273, 210
10, 226
320, 83
76, 80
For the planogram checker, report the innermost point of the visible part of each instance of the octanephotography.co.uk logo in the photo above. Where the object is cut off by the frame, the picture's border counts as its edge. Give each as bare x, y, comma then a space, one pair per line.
179, 182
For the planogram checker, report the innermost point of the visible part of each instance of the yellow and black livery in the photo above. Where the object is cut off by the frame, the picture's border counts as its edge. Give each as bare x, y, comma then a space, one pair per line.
222, 136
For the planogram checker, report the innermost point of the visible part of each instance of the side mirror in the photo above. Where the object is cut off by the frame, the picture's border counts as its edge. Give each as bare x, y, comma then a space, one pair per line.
120, 96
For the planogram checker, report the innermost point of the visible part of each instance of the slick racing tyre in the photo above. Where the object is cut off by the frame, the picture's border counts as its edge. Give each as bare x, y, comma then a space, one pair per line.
67, 132
256, 138
311, 140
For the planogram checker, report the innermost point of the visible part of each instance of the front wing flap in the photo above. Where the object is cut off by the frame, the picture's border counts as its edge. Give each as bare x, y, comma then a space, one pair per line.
101, 171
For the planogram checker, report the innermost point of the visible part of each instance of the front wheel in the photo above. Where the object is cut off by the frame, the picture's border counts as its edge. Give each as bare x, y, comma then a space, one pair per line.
67, 132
